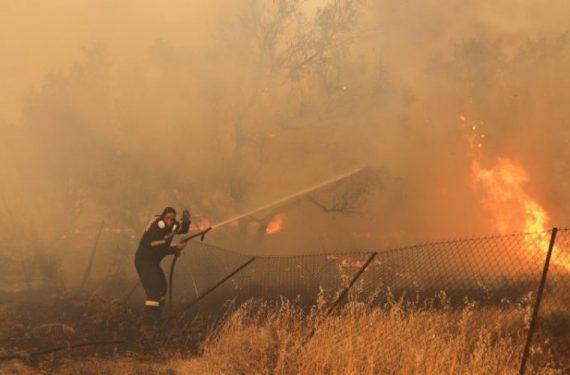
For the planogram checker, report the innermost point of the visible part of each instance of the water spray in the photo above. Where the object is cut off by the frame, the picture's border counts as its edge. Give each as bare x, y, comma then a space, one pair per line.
185, 237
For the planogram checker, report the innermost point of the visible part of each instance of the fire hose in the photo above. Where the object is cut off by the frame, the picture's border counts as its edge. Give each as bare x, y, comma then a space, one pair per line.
200, 234
59, 348
185, 239
278, 202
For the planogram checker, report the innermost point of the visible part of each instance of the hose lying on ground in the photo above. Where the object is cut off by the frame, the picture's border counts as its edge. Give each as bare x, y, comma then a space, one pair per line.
59, 348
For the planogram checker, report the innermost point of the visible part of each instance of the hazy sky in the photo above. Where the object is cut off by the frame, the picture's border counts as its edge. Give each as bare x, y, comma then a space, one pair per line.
37, 36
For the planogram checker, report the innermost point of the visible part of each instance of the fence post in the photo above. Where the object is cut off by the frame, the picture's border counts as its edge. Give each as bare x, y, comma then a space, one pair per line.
89, 267
539, 293
219, 283
130, 293
345, 291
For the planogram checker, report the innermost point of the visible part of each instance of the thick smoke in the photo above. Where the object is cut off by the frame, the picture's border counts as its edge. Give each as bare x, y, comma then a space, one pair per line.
112, 110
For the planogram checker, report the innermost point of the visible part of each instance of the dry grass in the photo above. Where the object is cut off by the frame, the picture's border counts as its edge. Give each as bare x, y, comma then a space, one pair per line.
264, 338
362, 340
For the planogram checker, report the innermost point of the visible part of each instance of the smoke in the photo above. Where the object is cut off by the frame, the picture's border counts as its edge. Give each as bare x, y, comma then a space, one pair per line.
112, 110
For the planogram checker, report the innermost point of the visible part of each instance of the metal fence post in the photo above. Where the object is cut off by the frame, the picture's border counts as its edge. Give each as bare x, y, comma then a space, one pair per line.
89, 267
130, 292
345, 291
539, 293
219, 283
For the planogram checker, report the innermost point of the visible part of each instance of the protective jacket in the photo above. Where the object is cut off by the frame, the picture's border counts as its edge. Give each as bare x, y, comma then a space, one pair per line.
157, 230
148, 258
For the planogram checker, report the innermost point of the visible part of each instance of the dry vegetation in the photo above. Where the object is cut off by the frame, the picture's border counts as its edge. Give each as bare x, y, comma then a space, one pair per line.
262, 337
225, 107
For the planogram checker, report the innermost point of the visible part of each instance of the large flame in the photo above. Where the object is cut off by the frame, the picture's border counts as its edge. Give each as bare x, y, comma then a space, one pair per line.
505, 198
275, 224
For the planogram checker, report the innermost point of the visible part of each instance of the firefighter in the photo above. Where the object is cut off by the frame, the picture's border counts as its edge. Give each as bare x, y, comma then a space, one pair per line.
153, 247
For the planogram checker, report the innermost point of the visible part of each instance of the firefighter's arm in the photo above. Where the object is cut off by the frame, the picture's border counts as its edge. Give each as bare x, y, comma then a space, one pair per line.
155, 238
164, 247
175, 249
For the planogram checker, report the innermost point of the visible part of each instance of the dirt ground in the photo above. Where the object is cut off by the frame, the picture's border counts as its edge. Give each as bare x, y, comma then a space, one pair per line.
263, 337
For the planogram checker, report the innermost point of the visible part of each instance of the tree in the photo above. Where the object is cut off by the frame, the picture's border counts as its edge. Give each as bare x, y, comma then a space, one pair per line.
299, 84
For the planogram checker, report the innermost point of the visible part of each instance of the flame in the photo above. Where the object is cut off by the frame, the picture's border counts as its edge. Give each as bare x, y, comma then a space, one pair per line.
203, 224
505, 198
275, 224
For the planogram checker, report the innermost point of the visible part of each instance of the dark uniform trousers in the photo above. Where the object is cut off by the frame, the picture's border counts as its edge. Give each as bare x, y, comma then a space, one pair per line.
147, 263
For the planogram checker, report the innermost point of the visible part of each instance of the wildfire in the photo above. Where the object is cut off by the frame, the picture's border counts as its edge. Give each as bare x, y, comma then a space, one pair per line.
275, 224
505, 198
203, 224
512, 208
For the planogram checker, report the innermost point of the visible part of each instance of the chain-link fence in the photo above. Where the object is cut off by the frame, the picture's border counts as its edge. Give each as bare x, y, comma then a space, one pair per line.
455, 303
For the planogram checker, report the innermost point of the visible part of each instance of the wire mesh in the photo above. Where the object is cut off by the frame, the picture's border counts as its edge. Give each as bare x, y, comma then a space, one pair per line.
410, 305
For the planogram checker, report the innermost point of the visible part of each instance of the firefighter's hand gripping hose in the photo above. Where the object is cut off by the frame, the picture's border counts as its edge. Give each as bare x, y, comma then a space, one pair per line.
201, 234
276, 203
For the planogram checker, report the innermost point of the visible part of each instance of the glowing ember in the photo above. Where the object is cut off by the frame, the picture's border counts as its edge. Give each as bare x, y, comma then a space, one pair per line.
505, 198
203, 224
349, 262
276, 224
